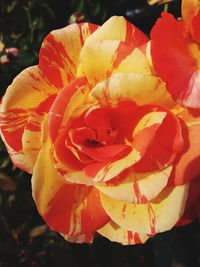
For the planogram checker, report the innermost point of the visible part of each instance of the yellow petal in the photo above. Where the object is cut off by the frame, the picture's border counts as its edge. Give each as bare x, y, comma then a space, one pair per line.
137, 87
118, 234
46, 181
106, 32
138, 187
136, 62
28, 89
114, 168
159, 215
96, 60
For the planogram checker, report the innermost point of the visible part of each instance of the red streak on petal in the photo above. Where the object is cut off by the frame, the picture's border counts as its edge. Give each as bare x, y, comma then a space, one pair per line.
141, 199
137, 238
152, 218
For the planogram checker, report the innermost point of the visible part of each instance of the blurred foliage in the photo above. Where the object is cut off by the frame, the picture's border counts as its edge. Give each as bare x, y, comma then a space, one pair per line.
25, 240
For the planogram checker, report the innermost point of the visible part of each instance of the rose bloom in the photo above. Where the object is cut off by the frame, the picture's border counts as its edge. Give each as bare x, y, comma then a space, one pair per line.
176, 53
109, 149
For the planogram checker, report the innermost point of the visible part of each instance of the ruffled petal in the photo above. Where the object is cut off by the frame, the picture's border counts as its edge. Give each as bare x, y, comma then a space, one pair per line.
149, 218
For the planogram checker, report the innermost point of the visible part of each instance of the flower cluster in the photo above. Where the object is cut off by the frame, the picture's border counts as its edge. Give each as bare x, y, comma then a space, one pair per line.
108, 124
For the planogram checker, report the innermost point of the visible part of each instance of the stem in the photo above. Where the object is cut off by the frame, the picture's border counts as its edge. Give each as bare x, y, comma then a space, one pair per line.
166, 7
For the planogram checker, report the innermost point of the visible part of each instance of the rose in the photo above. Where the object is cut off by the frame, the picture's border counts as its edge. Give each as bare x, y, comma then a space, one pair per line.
175, 57
179, 41
90, 123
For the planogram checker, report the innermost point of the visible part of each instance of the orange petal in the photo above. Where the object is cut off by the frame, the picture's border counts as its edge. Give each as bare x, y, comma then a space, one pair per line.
159, 215
189, 8
115, 233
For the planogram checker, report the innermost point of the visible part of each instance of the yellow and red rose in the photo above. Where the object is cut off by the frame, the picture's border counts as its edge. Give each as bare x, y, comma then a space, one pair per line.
110, 151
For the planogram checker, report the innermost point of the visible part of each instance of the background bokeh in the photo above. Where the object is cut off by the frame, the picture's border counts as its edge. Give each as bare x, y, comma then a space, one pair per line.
25, 240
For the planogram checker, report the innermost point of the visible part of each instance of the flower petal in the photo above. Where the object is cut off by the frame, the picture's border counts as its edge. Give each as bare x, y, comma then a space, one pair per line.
118, 234
32, 136
115, 46
124, 31
69, 98
137, 87
189, 9
138, 187
27, 91
149, 137
188, 165
61, 48
66, 208
149, 218
101, 66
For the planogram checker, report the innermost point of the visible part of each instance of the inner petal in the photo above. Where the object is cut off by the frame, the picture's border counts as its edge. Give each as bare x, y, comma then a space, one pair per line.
84, 139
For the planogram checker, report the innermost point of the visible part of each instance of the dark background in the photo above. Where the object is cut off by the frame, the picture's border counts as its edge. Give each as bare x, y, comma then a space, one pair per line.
25, 241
